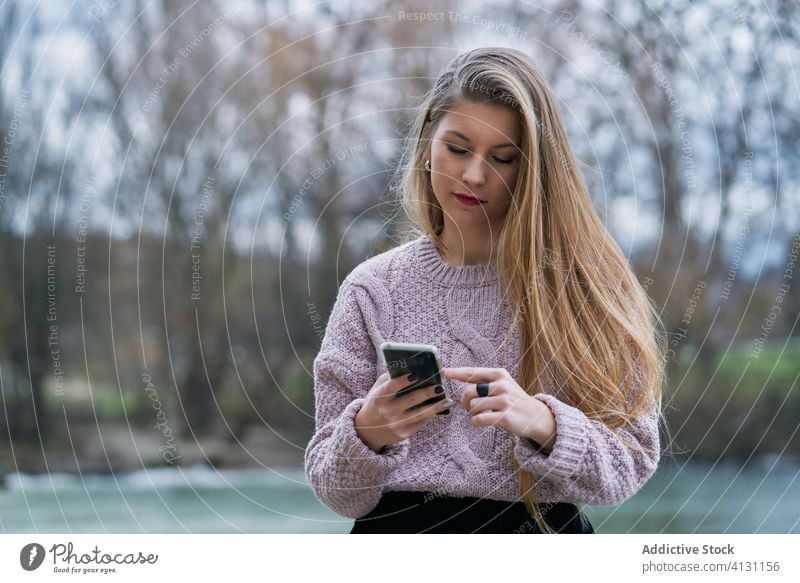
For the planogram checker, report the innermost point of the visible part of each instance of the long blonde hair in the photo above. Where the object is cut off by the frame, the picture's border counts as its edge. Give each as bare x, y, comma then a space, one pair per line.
570, 287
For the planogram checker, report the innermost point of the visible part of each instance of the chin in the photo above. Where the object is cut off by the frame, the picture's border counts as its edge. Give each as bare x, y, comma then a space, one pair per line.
466, 224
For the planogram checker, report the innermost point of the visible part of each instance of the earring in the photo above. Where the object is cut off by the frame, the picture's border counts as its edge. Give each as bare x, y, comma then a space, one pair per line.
428, 165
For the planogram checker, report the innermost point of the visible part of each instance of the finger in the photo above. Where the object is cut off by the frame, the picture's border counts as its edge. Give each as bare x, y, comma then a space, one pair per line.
422, 414
479, 404
472, 393
426, 402
473, 374
392, 385
406, 397
486, 418
382, 385
430, 410
494, 389
421, 396
413, 379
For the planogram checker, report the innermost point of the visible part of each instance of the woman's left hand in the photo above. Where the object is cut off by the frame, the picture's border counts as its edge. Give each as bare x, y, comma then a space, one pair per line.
507, 405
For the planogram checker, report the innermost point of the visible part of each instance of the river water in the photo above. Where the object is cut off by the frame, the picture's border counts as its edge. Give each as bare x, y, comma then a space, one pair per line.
761, 498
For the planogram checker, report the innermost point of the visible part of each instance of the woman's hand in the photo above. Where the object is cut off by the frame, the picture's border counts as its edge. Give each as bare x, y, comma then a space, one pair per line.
386, 419
507, 405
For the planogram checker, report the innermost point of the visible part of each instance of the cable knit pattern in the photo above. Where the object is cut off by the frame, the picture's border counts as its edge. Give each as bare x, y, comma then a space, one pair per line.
410, 294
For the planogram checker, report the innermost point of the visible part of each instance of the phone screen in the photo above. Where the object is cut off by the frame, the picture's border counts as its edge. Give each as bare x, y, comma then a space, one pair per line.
400, 362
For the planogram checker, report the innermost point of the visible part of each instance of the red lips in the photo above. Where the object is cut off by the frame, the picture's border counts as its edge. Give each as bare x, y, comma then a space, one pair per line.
468, 199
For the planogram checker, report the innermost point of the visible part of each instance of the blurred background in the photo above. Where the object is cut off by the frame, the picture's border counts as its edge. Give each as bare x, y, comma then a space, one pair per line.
183, 186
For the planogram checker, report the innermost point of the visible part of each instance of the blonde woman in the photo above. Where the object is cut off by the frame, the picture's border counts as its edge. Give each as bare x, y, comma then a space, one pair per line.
511, 274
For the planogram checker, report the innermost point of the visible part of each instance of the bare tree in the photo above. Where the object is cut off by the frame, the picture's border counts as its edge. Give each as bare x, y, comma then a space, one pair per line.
35, 176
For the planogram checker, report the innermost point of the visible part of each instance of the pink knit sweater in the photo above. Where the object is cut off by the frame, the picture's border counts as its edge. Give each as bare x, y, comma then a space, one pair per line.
410, 294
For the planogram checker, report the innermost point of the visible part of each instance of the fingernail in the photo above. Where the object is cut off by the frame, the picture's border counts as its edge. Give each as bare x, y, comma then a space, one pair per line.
446, 412
412, 376
439, 389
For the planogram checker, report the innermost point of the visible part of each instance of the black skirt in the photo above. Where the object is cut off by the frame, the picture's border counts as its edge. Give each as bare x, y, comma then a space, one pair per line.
429, 512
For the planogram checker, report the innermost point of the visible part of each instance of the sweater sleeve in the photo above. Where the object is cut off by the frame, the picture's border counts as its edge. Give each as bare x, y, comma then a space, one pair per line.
344, 473
589, 463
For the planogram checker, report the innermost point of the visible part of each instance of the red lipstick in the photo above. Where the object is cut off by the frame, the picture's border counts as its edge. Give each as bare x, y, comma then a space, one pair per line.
468, 200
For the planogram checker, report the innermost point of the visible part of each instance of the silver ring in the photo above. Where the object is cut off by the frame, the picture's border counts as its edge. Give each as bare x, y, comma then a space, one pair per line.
483, 389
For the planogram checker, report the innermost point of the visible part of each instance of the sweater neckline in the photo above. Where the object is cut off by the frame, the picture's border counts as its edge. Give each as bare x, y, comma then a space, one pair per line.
436, 268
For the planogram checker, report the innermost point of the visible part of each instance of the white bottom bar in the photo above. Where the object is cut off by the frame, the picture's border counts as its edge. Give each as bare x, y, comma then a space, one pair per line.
397, 558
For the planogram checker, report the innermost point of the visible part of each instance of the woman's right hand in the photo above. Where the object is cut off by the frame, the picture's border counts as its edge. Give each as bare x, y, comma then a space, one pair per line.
385, 419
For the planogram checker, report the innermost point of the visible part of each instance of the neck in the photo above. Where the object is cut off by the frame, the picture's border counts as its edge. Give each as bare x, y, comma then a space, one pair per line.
467, 247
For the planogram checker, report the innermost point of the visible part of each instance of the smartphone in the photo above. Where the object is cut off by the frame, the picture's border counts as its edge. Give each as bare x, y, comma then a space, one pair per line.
422, 359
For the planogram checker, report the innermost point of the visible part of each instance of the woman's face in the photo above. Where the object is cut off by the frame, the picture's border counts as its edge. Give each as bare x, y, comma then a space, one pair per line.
475, 153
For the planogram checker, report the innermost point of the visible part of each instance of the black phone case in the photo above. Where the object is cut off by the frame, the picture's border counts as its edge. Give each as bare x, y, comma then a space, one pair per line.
402, 362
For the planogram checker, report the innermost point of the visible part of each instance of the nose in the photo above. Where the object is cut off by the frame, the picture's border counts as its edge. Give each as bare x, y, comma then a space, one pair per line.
475, 172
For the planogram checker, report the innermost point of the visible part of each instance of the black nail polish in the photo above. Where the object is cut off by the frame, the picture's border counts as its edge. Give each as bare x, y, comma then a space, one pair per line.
446, 412
439, 389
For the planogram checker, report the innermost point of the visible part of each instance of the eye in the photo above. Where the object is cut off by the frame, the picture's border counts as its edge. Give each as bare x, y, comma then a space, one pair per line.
456, 150
503, 161
459, 151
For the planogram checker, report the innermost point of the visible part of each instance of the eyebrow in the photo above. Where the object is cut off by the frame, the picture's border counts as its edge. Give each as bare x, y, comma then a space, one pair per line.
466, 139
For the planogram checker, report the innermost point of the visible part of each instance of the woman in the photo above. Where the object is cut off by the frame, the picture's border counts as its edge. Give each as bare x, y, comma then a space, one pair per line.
514, 278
